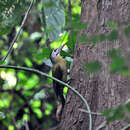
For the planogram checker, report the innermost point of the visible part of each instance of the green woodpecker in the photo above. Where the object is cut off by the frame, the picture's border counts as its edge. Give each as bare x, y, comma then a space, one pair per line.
59, 71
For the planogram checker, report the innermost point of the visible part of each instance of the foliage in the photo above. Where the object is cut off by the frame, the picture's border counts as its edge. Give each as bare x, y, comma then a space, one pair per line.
29, 97
53, 17
120, 112
10, 14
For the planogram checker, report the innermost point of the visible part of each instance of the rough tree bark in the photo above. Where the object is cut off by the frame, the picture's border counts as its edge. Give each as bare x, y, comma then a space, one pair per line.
102, 90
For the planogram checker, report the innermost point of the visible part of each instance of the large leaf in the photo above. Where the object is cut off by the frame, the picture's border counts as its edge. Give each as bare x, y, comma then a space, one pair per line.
53, 17
10, 14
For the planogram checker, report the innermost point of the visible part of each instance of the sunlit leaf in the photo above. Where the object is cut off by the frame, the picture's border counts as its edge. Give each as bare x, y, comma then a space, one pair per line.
28, 62
49, 80
22, 75
4, 103
32, 82
63, 39
25, 34
49, 108
10, 127
35, 103
76, 8
26, 117
38, 112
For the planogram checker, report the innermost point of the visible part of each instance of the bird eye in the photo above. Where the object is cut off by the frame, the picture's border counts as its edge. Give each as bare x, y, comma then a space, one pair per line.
55, 50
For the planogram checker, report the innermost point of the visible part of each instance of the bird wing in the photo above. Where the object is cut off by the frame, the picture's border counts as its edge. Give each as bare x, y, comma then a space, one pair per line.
57, 72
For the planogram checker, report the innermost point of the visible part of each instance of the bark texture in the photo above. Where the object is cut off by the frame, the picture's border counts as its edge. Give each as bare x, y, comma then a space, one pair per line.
102, 90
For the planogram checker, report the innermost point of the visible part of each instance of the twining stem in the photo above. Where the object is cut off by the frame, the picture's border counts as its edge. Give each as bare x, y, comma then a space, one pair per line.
53, 78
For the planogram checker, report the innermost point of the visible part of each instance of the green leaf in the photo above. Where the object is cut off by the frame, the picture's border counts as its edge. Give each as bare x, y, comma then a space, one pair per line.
128, 107
63, 39
113, 35
83, 39
35, 103
94, 39
5, 103
10, 127
26, 117
38, 112
127, 31
98, 38
118, 65
44, 53
114, 53
1, 62
22, 75
113, 114
10, 14
93, 66
32, 82
71, 42
28, 62
112, 24
49, 108
125, 72
102, 37
53, 17
79, 25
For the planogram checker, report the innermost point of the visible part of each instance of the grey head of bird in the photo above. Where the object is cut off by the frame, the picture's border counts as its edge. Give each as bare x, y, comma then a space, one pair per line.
55, 54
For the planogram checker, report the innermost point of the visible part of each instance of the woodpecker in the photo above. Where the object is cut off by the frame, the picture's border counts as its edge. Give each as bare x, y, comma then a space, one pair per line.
59, 71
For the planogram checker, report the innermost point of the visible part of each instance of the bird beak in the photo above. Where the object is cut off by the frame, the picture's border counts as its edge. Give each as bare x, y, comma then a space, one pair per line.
61, 47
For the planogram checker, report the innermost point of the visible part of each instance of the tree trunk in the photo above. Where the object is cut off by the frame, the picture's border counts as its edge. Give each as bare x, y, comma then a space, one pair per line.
102, 90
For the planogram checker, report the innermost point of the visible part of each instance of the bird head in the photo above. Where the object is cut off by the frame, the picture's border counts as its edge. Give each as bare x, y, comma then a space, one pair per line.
56, 53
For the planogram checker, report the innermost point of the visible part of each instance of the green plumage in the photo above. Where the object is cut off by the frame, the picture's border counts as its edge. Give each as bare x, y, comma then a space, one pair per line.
59, 71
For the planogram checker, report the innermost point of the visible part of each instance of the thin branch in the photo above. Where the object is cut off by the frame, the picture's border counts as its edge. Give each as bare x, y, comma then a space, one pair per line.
101, 125
26, 125
18, 33
53, 78
70, 10
92, 113
126, 127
